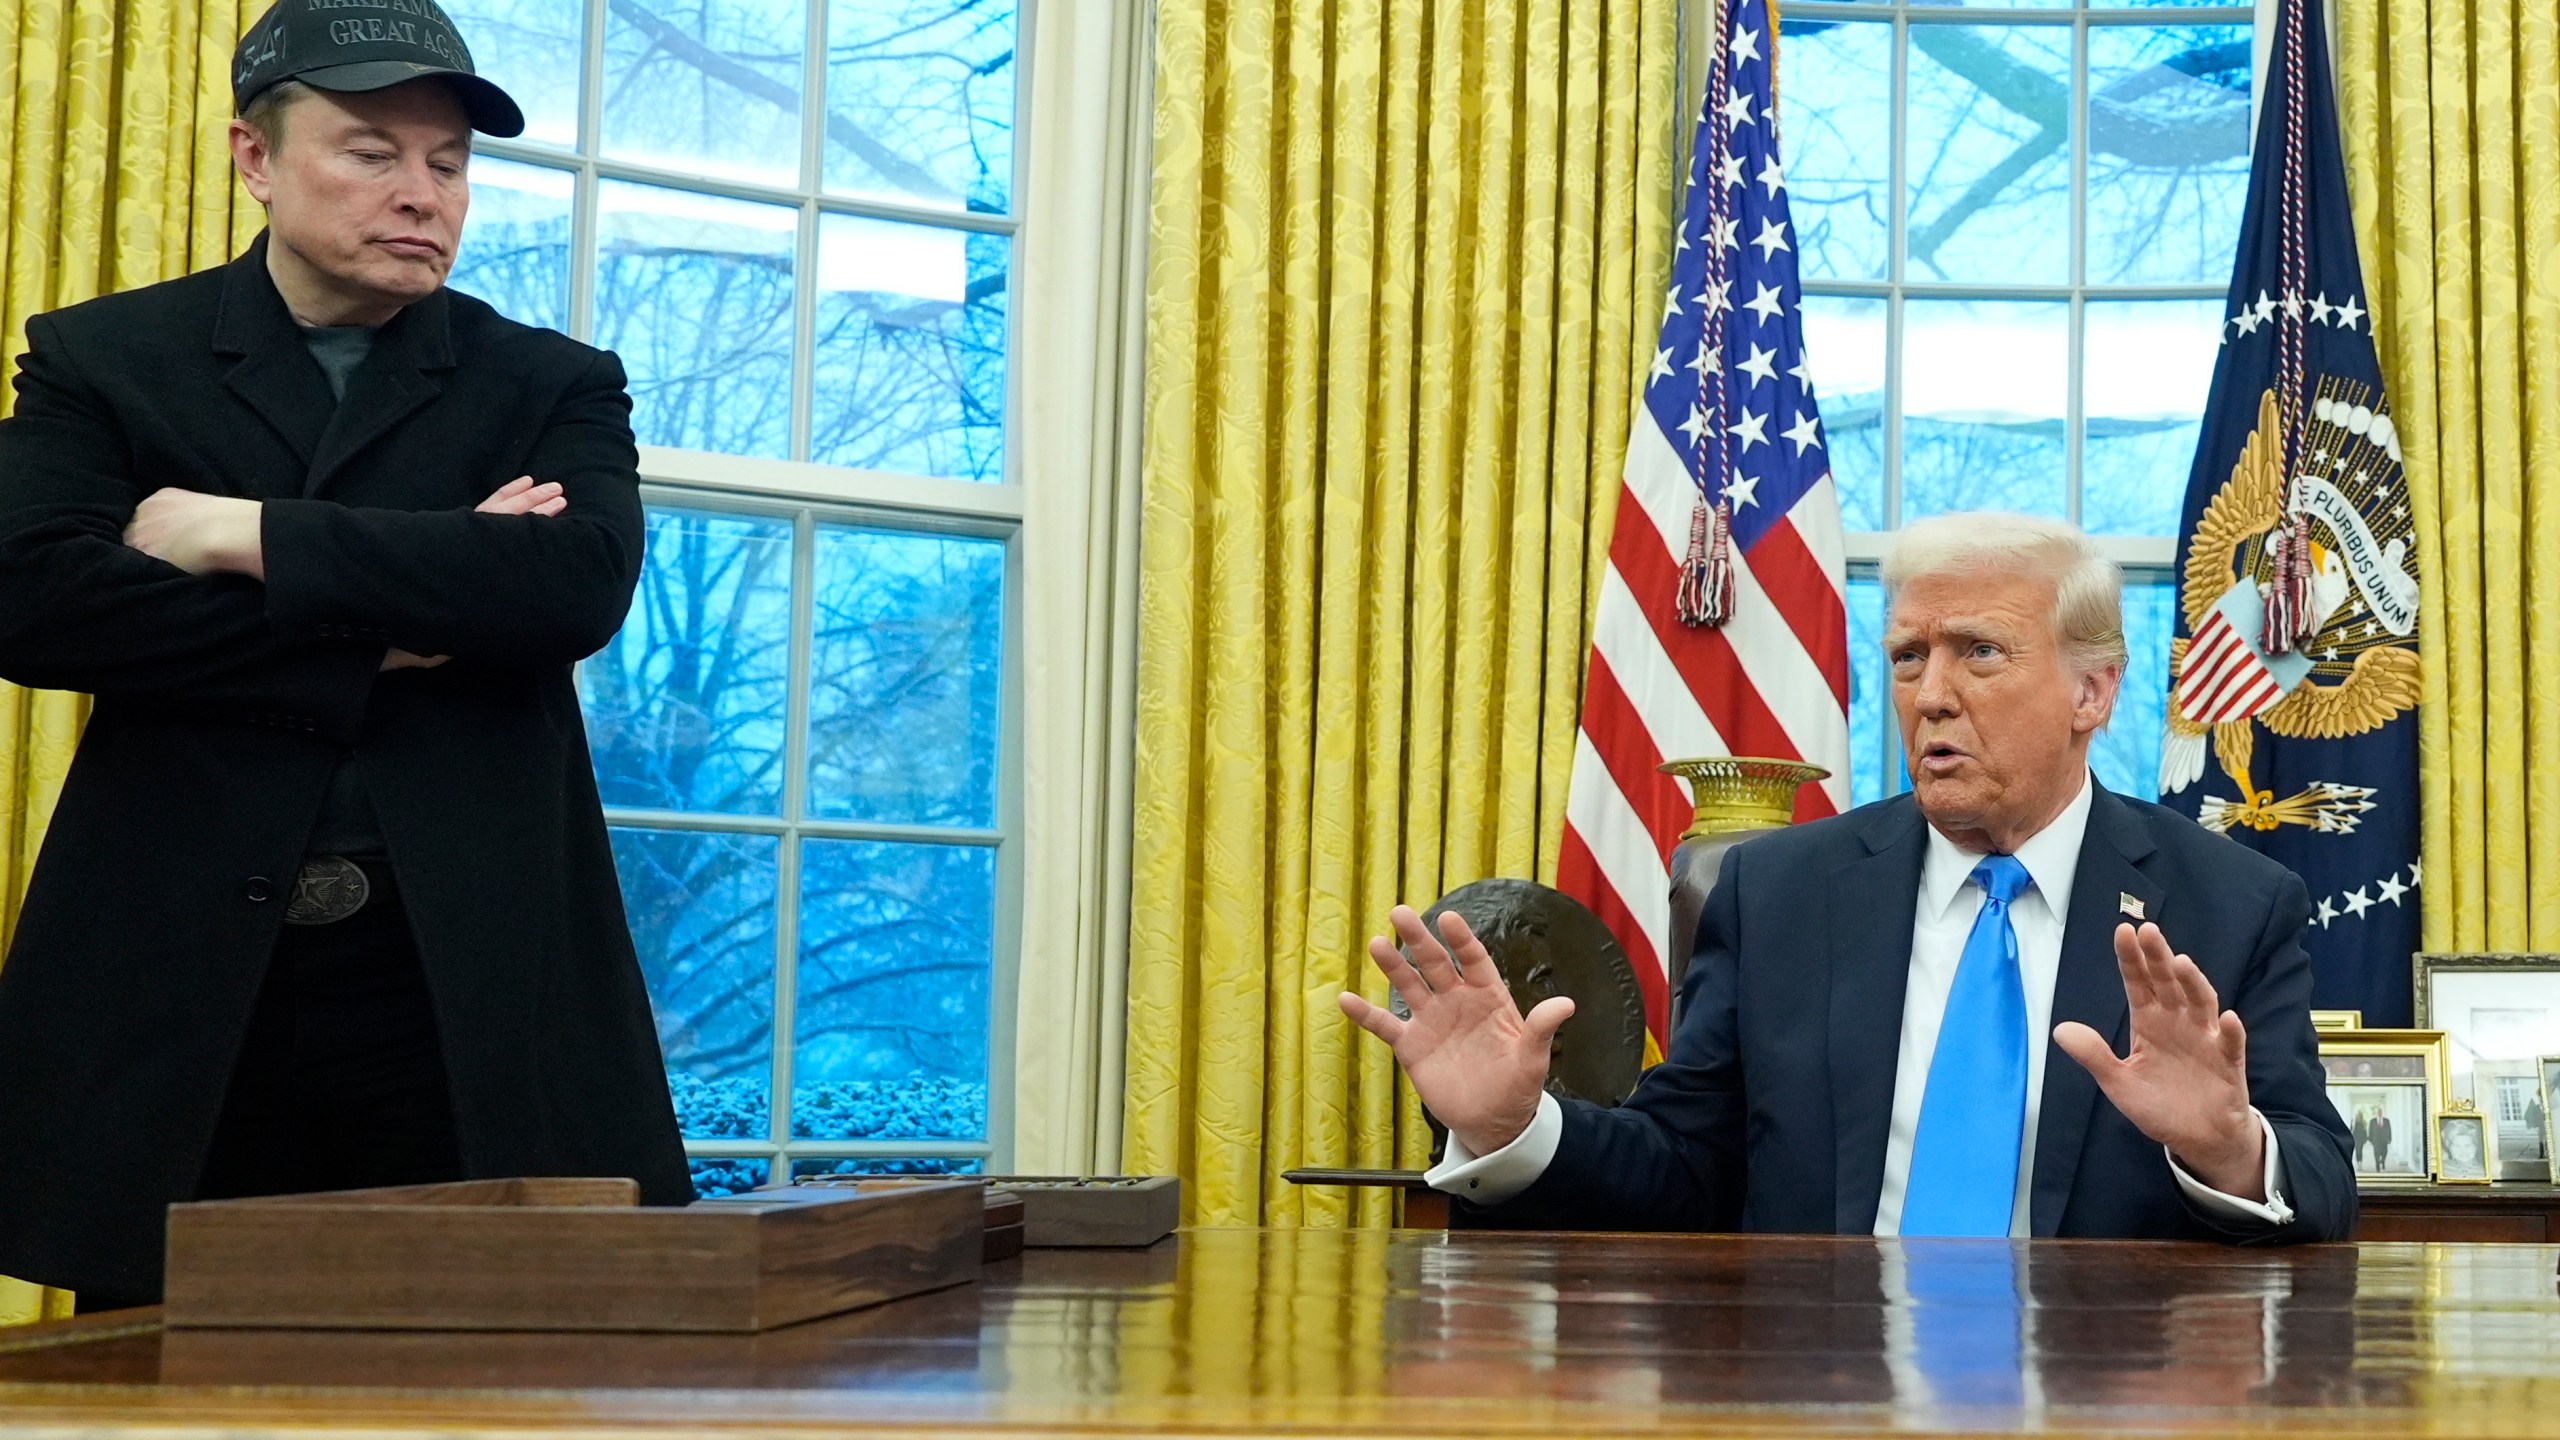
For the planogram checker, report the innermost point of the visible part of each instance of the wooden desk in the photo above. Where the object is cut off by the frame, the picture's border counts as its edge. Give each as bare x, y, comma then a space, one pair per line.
1331, 1332
2511, 1210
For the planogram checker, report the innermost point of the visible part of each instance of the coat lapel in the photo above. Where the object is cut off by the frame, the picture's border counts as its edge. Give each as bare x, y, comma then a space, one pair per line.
275, 375
2088, 988
406, 370
1872, 900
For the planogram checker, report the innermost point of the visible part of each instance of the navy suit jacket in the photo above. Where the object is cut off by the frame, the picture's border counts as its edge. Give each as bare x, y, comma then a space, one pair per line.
1771, 1112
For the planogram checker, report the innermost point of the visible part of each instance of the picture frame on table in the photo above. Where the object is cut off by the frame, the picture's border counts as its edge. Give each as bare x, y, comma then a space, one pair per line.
2326, 1020
2510, 1094
2466, 1149
2387, 1086
2549, 1065
2498, 1006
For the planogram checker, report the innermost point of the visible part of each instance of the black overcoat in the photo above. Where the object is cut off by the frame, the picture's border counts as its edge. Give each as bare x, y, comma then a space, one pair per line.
222, 705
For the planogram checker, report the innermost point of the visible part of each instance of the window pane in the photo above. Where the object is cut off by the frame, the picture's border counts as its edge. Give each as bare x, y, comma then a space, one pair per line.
1871, 723
896, 951
2126, 755
701, 908
2168, 151
706, 85
920, 101
1983, 389
694, 293
906, 676
1844, 340
910, 352
729, 1177
685, 708
2146, 369
515, 246
1990, 148
1835, 83
531, 50
888, 1165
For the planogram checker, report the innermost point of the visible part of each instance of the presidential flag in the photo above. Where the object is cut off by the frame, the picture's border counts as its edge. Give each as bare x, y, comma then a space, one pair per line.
1720, 629
2292, 722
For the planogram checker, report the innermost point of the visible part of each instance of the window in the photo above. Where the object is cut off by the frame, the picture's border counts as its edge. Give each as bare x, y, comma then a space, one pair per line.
2016, 225
802, 732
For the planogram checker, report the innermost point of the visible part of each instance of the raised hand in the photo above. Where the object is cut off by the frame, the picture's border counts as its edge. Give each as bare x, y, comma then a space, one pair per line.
2186, 1082
521, 496
1475, 1060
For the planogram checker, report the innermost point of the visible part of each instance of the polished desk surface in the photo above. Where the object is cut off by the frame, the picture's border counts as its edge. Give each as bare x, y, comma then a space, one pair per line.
1329, 1332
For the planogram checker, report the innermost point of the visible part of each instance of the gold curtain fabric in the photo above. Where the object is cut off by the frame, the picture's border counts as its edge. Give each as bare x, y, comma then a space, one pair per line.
2451, 113
1403, 281
117, 173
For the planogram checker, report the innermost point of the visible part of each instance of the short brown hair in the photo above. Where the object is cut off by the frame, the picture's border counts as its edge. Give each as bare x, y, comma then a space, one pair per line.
265, 111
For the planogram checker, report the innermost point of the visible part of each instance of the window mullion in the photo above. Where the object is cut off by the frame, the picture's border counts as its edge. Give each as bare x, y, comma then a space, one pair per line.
795, 806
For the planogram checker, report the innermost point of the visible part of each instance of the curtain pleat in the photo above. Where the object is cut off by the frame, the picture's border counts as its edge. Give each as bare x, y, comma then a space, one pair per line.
2451, 113
117, 173
1401, 258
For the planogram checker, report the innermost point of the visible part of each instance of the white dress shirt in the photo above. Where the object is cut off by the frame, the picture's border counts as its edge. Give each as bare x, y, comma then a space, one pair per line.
1941, 922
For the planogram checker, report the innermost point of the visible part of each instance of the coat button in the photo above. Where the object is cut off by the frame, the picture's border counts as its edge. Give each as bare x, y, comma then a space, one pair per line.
258, 890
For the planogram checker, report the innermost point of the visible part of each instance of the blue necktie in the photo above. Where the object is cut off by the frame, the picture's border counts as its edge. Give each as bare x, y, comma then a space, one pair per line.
1964, 1159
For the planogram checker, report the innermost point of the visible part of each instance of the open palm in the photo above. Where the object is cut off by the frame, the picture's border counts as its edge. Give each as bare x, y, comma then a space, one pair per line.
2185, 1080
1475, 1060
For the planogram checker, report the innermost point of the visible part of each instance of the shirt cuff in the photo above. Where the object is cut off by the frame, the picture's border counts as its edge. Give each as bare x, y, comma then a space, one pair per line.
2274, 1211
1492, 1179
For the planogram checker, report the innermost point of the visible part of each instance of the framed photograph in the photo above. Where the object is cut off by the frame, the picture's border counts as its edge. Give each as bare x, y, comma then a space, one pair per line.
2491, 1006
2466, 1152
2511, 1096
2387, 1120
2337, 1019
2550, 1068
2387, 1055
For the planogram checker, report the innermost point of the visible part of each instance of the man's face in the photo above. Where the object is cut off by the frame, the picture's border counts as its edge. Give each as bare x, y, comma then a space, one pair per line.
368, 189
1995, 726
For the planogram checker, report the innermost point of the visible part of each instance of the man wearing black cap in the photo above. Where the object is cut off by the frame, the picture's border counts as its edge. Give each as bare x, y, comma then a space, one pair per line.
327, 900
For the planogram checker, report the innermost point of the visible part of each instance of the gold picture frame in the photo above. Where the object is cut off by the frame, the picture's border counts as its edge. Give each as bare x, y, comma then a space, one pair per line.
2452, 1165
2327, 1020
2395, 1077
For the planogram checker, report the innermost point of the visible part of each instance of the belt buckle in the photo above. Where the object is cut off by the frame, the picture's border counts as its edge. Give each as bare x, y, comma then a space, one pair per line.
329, 889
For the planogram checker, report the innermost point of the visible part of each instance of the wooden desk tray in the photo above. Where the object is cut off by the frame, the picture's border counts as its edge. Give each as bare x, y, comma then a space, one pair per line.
564, 1254
1067, 1212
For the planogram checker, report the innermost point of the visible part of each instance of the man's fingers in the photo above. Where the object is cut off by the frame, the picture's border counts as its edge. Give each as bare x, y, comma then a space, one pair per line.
2131, 965
1423, 951
1371, 1018
552, 506
2234, 1040
2089, 1048
1547, 1017
1474, 964
2199, 990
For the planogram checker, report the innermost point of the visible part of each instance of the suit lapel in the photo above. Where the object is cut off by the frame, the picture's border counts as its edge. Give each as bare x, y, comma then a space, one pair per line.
2088, 988
1872, 900
275, 375
405, 371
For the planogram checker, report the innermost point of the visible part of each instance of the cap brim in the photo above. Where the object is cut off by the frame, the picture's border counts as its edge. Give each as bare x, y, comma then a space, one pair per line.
490, 110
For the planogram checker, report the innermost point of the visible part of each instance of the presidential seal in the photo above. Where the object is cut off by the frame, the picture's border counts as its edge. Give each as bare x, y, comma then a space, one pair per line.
2300, 606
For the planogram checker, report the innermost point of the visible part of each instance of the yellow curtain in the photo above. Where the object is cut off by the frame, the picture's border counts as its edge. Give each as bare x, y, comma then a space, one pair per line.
1404, 275
2451, 113
117, 174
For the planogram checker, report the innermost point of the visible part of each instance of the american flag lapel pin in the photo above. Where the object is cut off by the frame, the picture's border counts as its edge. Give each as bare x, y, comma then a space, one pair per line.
2132, 904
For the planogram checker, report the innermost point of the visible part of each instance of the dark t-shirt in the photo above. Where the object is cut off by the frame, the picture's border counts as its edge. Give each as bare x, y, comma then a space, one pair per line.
348, 825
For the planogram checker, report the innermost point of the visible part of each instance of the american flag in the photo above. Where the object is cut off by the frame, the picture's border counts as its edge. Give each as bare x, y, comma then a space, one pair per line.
1728, 497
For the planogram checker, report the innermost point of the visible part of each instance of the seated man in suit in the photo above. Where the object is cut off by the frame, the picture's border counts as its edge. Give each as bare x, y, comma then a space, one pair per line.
1861, 1043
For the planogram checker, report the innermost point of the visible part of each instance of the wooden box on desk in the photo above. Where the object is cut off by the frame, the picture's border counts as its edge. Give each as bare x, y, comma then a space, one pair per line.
564, 1254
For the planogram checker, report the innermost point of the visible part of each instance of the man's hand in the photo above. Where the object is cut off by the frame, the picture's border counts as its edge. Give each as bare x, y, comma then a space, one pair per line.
398, 659
521, 496
200, 534
2186, 1084
1475, 1060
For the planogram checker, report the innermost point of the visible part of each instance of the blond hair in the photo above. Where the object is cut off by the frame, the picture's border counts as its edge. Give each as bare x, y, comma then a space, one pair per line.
2088, 588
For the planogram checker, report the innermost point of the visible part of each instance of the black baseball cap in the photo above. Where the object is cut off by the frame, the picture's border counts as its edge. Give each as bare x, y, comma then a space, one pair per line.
357, 45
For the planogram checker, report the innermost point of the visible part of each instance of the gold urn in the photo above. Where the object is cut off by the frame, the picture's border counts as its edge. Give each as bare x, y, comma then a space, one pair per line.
1734, 793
